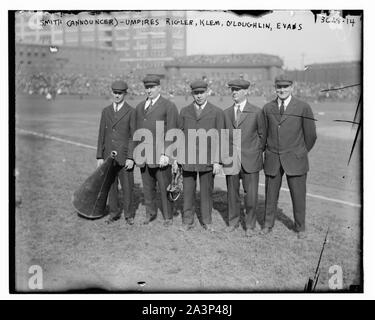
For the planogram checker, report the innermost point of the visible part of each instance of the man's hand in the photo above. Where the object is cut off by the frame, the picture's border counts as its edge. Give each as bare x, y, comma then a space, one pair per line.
164, 161
99, 162
217, 169
129, 163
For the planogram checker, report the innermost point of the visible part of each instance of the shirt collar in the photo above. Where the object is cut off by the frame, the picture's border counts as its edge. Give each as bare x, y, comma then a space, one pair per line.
242, 105
202, 106
119, 106
156, 99
286, 101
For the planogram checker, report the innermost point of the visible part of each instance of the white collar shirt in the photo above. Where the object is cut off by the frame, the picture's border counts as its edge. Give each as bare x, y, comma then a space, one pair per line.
202, 106
286, 102
240, 105
117, 107
151, 101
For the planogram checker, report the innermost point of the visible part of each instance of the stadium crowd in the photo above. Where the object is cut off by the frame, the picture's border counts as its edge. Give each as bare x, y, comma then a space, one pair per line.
234, 59
84, 85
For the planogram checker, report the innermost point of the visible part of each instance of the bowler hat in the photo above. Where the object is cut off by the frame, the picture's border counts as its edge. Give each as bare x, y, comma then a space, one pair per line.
151, 80
198, 85
283, 79
239, 84
119, 85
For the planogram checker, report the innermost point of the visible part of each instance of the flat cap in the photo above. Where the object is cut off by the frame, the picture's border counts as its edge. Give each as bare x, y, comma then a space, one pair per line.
119, 85
239, 83
198, 85
151, 80
283, 79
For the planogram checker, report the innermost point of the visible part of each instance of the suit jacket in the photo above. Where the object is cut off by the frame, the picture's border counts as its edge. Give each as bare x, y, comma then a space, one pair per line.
289, 137
210, 118
165, 111
116, 132
249, 152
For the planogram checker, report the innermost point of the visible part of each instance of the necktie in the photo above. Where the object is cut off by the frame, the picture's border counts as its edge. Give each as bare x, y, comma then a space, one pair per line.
238, 113
116, 107
148, 104
199, 110
282, 107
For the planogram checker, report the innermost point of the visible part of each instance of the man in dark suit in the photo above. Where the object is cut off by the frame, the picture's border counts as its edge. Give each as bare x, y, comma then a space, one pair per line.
153, 112
117, 125
247, 158
200, 160
291, 134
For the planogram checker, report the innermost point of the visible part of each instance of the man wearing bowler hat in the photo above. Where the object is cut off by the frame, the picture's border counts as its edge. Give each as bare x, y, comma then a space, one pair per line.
117, 125
156, 171
200, 115
291, 134
247, 155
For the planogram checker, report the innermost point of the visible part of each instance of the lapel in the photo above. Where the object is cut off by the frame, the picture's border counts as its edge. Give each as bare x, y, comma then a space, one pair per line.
205, 111
290, 110
111, 114
231, 116
244, 113
275, 110
191, 111
151, 108
121, 113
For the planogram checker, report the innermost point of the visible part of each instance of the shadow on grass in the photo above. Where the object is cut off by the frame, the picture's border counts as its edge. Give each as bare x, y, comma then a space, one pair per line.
219, 199
220, 204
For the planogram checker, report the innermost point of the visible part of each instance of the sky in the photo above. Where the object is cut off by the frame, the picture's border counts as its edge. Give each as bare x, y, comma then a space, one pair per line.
314, 43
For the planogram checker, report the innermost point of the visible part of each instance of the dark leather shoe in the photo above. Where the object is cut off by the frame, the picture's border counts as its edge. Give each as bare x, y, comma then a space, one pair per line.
149, 219
129, 221
112, 219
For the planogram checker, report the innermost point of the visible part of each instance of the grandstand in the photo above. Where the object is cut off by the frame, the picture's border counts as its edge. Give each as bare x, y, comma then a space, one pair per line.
329, 73
254, 67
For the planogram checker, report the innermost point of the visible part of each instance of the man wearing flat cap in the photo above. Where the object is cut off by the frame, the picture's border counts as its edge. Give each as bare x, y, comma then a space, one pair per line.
156, 171
117, 125
291, 134
247, 155
203, 162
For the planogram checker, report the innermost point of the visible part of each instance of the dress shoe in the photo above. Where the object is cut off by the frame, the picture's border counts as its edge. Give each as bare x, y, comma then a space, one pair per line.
149, 219
301, 235
185, 227
112, 219
129, 221
266, 230
250, 233
168, 222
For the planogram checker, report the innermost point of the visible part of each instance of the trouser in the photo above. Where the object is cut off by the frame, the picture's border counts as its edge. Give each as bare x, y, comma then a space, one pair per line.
161, 176
297, 187
250, 183
206, 181
126, 178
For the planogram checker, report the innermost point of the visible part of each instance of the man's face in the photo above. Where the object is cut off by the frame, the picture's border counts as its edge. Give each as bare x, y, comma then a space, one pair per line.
238, 94
283, 91
200, 96
118, 96
152, 91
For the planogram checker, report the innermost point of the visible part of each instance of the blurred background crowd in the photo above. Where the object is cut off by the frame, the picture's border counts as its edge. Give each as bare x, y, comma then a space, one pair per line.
53, 84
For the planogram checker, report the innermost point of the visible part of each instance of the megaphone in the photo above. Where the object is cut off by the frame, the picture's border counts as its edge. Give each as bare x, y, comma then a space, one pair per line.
90, 199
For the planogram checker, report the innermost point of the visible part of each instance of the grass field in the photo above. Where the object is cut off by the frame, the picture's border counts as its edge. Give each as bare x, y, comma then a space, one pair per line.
75, 253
